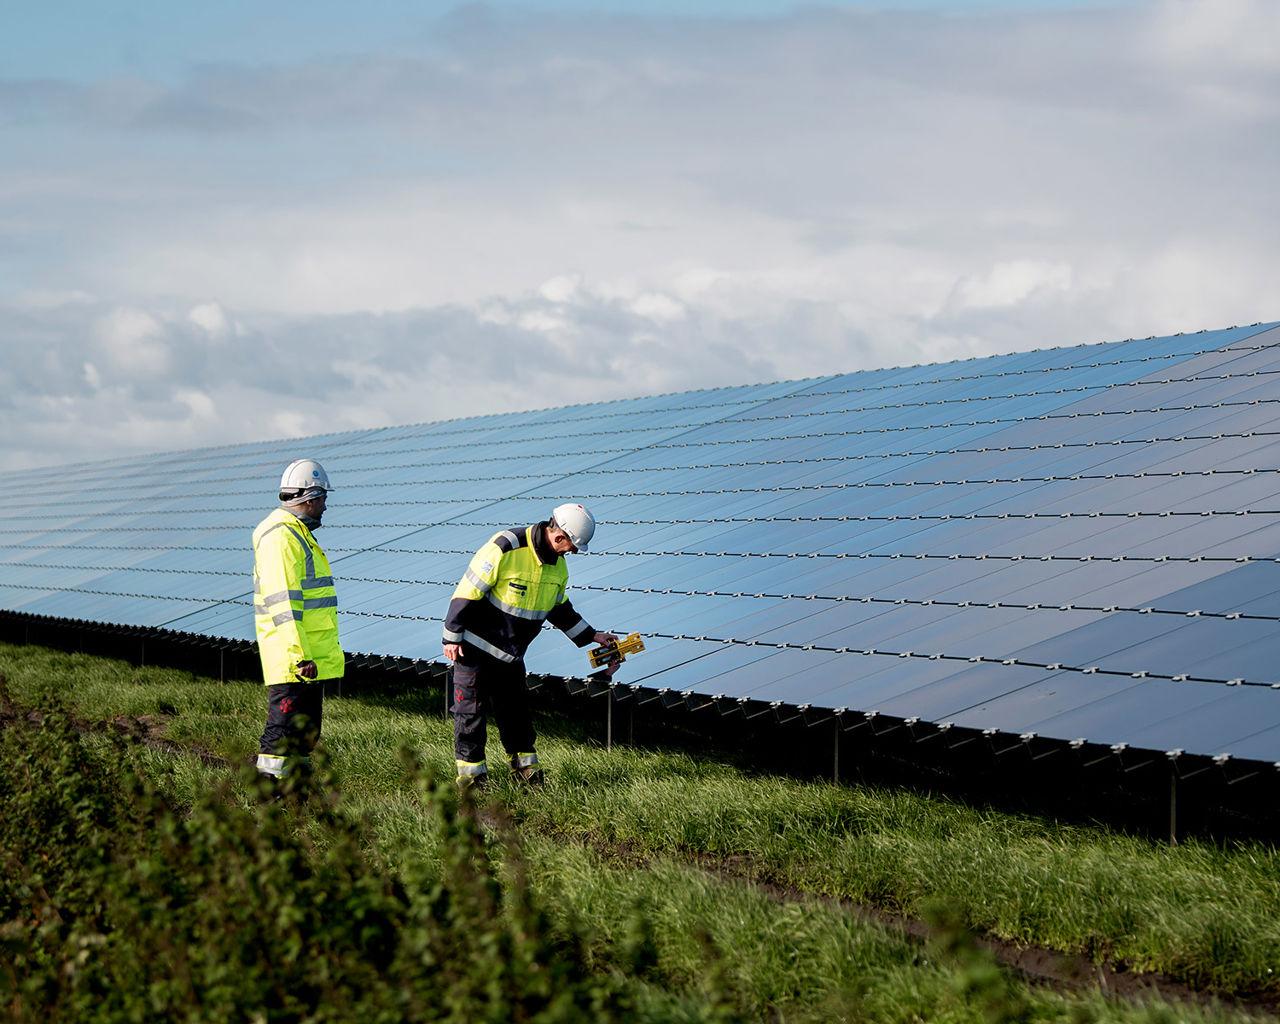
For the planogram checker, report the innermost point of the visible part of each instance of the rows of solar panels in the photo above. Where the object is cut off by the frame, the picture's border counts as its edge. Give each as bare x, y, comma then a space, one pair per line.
1076, 543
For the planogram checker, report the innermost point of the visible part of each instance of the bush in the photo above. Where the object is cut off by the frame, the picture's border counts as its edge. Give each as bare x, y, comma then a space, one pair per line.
115, 906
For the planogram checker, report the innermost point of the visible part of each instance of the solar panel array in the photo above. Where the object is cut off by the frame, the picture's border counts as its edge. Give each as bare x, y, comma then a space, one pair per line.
1075, 543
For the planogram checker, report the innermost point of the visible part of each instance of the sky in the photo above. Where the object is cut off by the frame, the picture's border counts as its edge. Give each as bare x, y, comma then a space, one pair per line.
243, 221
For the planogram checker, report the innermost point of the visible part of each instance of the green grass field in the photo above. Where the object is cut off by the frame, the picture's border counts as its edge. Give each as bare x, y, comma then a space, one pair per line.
745, 887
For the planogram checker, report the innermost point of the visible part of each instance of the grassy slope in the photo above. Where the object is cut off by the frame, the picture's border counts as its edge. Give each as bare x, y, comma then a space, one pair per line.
1195, 912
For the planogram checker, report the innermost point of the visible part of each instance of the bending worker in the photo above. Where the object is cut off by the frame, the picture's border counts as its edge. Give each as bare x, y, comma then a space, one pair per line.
512, 584
295, 610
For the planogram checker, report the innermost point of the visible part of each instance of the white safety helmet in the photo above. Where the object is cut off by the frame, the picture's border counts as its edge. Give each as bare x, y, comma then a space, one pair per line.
576, 522
304, 475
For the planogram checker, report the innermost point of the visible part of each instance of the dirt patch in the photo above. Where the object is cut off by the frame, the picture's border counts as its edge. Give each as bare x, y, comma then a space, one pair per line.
145, 729
149, 730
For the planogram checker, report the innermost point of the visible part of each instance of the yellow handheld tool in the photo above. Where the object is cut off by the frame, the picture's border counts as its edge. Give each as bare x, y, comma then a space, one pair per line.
606, 653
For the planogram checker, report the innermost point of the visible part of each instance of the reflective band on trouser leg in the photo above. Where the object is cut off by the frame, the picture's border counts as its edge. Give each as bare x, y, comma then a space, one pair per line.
271, 764
524, 760
279, 766
471, 769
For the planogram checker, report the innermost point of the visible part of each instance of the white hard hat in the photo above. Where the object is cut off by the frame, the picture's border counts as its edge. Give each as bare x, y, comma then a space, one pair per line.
576, 522
304, 475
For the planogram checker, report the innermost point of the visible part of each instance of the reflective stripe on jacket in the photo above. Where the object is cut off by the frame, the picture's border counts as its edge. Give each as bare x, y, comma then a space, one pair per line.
295, 606
506, 593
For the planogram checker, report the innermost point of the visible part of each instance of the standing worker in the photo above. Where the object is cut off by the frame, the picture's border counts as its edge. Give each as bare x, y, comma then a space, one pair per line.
295, 610
512, 584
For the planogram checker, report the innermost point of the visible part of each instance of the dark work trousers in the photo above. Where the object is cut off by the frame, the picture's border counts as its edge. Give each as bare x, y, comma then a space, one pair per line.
293, 718
484, 686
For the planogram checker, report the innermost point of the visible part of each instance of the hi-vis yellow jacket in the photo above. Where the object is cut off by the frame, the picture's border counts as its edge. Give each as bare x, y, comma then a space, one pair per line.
295, 607
512, 585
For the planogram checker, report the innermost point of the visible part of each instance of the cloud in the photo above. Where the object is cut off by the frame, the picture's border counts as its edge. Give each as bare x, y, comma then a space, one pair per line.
562, 288
1192, 34
211, 317
133, 342
1011, 283
281, 376
619, 205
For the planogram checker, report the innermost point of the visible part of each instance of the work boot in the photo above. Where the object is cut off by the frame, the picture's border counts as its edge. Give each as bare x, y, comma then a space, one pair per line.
473, 783
525, 768
472, 775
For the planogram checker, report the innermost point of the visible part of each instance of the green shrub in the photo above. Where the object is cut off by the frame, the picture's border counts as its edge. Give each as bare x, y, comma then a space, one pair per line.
115, 906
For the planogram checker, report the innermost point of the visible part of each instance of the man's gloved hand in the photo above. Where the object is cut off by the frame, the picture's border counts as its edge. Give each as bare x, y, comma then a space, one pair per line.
615, 661
307, 670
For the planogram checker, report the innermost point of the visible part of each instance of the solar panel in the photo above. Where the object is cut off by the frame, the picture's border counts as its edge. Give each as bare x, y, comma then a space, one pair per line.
1078, 543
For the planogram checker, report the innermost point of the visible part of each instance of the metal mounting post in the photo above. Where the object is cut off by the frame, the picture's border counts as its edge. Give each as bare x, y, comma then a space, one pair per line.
608, 721
1173, 805
835, 752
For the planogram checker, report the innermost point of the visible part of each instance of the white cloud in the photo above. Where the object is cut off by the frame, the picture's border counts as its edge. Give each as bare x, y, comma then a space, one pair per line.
656, 306
1008, 284
619, 205
133, 341
211, 317
561, 289
543, 321
1191, 33
292, 424
366, 370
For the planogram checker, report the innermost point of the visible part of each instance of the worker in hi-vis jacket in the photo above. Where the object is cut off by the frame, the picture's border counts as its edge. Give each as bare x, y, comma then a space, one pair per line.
295, 611
513, 583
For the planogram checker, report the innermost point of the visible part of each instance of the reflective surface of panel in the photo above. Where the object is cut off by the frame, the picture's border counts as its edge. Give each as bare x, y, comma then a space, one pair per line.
1073, 543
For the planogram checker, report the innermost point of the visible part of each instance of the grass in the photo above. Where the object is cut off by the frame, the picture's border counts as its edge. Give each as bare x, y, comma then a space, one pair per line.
1208, 916
633, 828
